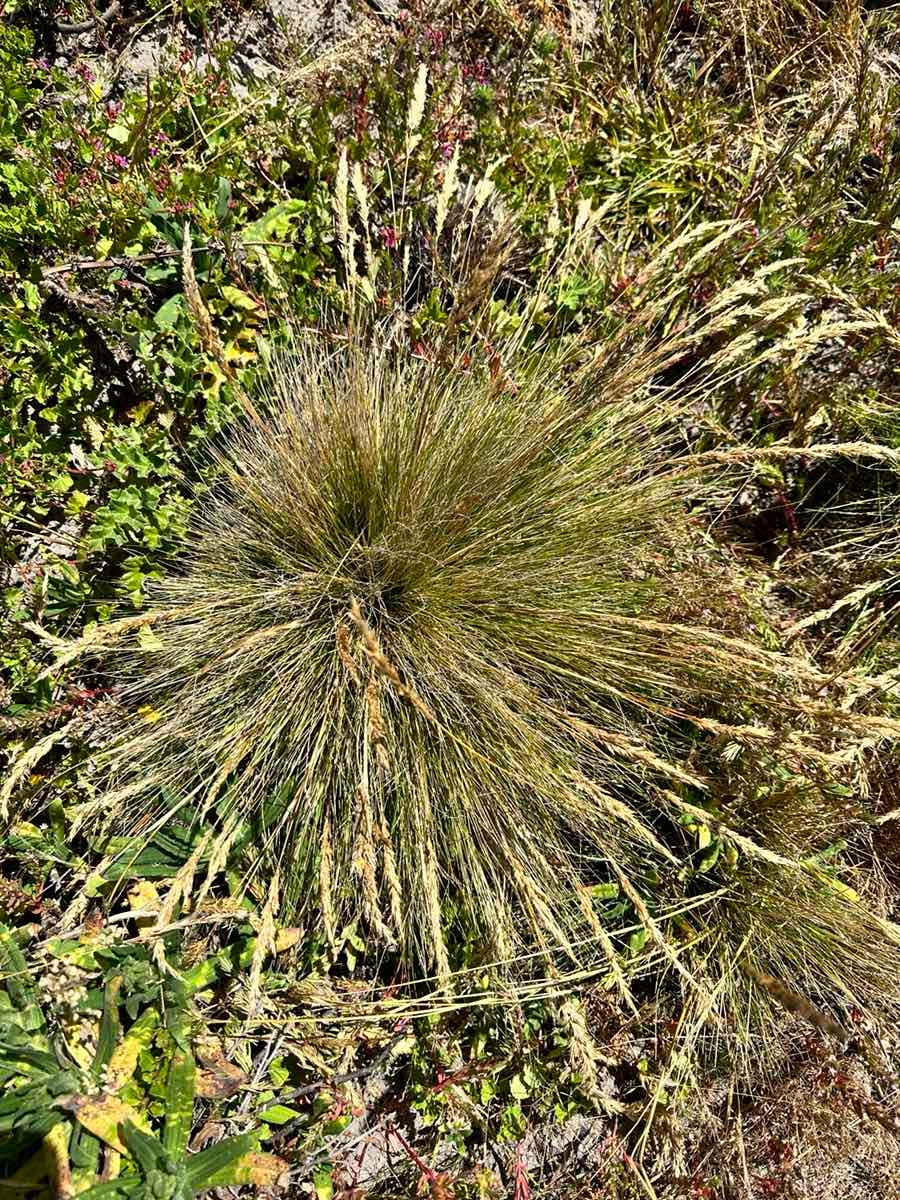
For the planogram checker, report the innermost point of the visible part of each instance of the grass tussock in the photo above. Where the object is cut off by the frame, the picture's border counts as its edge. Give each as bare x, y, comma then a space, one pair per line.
421, 640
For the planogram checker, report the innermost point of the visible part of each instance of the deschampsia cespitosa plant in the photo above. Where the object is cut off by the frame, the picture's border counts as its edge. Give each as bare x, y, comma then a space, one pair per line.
425, 640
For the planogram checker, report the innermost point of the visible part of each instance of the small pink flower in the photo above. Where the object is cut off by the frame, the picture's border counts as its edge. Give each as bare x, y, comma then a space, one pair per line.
479, 71
389, 236
120, 161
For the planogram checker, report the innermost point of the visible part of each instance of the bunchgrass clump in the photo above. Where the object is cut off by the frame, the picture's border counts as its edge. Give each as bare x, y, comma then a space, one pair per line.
419, 642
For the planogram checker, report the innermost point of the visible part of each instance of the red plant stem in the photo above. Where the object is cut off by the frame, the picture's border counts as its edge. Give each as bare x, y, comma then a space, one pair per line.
429, 1172
522, 1188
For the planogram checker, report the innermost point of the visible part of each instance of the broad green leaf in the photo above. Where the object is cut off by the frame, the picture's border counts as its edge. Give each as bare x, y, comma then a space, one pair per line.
79, 953
145, 1149
322, 1181
279, 1114
223, 195
273, 224
215, 1166
168, 314
237, 298
32, 295
638, 940
179, 1103
110, 1027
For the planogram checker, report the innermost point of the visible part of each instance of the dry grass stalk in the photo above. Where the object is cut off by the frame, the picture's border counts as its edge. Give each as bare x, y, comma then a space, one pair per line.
342, 639
345, 236
265, 945
475, 287
365, 865
326, 894
383, 665
375, 721
179, 892
96, 638
795, 1002
391, 874
29, 758
858, 451
416, 109
437, 948
447, 192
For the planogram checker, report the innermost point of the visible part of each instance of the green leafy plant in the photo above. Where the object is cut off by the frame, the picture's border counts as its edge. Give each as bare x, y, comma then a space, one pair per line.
69, 1073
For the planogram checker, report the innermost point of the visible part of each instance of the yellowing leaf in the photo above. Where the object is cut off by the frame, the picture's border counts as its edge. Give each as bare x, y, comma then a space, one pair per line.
147, 639
238, 299
102, 1116
287, 937
260, 1170
125, 1056
217, 1077
838, 886
25, 829
56, 1147
94, 430
143, 897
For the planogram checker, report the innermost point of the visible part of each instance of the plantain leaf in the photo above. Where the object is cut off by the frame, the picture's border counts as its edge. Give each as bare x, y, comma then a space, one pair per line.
179, 1103
215, 1166
105, 1116
110, 1027
123, 1059
145, 1149
14, 973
